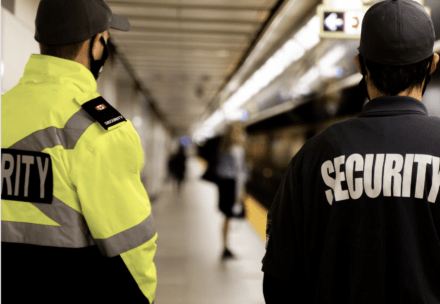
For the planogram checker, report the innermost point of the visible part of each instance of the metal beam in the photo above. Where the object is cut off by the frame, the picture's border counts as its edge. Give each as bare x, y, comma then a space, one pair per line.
179, 70
191, 46
192, 20
180, 60
158, 45
179, 37
189, 31
147, 55
188, 6
181, 65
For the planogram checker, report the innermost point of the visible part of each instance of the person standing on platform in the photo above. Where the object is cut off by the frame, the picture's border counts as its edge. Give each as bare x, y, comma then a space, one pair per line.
357, 217
232, 175
177, 166
76, 220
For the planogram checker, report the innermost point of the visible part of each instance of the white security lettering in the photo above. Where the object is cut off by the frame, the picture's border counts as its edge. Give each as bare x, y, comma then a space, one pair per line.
407, 175
28, 161
113, 120
435, 180
340, 194
368, 175
43, 174
7, 173
17, 176
422, 161
391, 172
327, 168
355, 192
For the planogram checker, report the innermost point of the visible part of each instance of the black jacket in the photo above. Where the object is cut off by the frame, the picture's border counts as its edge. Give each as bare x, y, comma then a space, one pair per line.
357, 216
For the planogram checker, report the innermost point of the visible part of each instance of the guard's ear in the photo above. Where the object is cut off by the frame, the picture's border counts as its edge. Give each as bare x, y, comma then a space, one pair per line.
97, 47
434, 63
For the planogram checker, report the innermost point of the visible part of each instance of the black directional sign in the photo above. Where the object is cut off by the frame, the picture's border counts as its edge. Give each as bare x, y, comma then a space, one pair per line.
333, 22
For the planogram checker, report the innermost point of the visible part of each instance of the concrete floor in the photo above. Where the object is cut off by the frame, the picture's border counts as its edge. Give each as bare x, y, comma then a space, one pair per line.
189, 245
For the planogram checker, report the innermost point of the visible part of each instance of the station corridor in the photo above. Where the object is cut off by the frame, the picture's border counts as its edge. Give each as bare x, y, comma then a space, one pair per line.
189, 247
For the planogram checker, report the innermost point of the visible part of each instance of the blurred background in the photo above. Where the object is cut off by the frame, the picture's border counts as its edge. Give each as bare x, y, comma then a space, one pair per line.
283, 69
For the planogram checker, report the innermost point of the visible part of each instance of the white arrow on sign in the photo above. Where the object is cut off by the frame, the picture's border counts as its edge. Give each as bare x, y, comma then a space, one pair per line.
333, 22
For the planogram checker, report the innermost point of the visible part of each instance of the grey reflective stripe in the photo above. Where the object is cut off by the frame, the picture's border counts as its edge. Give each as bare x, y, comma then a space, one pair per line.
128, 239
62, 214
52, 136
73, 232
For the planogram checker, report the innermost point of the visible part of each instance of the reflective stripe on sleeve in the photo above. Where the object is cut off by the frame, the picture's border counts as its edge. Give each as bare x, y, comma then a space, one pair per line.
128, 239
52, 136
73, 232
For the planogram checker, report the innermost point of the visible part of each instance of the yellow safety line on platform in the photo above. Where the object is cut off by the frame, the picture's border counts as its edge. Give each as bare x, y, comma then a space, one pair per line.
256, 214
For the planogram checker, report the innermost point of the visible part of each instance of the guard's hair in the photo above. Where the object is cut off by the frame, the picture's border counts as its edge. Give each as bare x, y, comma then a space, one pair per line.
66, 51
392, 80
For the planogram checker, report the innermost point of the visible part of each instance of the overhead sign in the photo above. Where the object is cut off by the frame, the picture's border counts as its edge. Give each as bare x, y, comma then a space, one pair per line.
342, 19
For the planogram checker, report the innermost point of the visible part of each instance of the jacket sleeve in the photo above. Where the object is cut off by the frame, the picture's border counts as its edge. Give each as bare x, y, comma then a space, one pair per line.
115, 204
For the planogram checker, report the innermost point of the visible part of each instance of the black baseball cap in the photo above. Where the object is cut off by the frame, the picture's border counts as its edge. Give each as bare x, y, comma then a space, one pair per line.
397, 32
70, 21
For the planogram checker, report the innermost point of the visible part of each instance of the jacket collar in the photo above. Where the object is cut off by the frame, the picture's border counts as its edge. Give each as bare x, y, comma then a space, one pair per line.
393, 106
43, 68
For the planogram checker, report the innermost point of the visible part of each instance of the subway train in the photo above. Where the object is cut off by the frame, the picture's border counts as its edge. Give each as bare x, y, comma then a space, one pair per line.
272, 142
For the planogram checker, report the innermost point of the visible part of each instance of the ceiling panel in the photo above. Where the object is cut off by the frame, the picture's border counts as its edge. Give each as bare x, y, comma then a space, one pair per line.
138, 50
144, 11
250, 3
194, 54
200, 37
193, 24
183, 51
254, 15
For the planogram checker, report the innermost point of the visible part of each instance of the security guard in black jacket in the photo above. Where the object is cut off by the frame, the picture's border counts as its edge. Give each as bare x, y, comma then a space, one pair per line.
357, 217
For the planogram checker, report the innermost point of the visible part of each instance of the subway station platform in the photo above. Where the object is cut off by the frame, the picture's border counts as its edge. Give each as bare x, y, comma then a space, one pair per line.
189, 247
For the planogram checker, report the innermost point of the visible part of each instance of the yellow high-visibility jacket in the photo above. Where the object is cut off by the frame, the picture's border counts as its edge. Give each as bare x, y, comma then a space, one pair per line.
76, 219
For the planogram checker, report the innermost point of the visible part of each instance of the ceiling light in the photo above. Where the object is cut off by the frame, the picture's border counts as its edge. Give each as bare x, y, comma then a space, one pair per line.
235, 115
332, 57
291, 51
223, 53
347, 4
295, 50
215, 119
137, 122
308, 36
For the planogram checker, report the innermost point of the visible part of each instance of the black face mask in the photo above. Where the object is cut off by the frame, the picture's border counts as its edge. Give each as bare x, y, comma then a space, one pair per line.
97, 65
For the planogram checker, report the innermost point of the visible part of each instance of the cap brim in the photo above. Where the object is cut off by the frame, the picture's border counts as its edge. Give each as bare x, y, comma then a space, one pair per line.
120, 23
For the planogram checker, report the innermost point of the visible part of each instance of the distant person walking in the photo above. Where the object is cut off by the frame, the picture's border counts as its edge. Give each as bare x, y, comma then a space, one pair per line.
232, 176
176, 167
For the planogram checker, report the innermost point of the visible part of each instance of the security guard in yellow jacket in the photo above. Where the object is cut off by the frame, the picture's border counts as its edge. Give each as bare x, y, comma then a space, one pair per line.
76, 219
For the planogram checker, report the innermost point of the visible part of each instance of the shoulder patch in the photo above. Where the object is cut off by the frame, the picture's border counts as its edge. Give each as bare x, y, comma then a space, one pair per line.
103, 112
